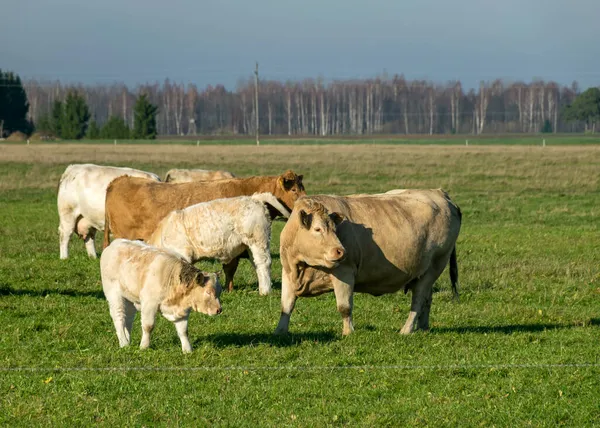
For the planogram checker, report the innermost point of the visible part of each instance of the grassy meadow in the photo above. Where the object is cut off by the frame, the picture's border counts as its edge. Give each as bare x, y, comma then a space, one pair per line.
521, 348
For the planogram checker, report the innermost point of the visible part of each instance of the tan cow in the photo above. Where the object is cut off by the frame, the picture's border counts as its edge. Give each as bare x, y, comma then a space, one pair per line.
374, 244
134, 207
136, 276
187, 175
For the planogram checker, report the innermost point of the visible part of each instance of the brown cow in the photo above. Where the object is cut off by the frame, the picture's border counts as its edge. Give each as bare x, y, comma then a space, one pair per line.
134, 207
374, 244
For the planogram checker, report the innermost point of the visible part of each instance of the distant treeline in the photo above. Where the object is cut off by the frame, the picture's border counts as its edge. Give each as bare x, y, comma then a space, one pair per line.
383, 105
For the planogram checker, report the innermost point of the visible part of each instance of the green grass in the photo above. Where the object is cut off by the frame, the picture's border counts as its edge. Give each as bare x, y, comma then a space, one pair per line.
521, 347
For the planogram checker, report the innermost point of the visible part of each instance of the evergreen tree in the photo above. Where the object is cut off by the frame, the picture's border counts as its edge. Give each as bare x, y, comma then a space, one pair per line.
586, 107
13, 105
75, 117
144, 124
56, 118
115, 128
547, 127
93, 131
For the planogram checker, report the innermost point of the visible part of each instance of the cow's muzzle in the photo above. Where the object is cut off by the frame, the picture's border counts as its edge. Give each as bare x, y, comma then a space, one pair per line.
336, 256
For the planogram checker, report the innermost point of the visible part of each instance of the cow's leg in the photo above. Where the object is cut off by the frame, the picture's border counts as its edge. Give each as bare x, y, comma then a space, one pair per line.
90, 246
343, 287
148, 316
67, 223
420, 305
229, 270
288, 301
423, 320
262, 263
182, 327
438, 268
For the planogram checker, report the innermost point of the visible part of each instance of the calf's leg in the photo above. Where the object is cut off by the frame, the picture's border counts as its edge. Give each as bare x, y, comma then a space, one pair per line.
181, 326
262, 263
229, 270
130, 312
117, 305
148, 316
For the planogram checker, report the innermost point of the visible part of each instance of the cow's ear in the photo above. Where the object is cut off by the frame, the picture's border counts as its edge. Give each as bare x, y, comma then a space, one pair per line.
337, 218
202, 279
305, 219
286, 183
300, 177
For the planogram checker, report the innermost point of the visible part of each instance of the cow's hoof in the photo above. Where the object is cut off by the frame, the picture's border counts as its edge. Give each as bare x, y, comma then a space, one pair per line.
280, 332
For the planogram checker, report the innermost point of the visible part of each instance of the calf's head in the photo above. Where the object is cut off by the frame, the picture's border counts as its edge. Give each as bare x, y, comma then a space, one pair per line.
207, 290
316, 241
289, 188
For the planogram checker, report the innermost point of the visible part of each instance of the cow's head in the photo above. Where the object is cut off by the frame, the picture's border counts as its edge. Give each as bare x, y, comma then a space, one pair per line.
289, 188
316, 242
206, 294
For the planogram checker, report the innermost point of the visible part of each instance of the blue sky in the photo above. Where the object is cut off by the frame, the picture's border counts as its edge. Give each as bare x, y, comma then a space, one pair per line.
211, 42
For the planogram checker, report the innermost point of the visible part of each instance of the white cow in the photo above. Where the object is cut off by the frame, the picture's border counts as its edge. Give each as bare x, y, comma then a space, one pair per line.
187, 175
136, 276
81, 195
223, 229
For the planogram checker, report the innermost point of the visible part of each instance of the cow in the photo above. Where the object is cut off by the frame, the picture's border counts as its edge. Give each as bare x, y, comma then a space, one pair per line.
81, 196
223, 229
139, 277
187, 175
376, 244
135, 206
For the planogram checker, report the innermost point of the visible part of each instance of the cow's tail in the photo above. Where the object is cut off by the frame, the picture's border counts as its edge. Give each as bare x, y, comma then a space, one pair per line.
106, 241
268, 198
454, 273
454, 263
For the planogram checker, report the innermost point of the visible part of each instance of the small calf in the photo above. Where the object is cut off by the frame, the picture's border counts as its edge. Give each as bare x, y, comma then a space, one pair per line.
139, 277
223, 229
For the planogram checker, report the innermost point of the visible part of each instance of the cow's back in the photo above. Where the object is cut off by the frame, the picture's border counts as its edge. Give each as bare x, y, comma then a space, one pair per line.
134, 265
185, 175
392, 238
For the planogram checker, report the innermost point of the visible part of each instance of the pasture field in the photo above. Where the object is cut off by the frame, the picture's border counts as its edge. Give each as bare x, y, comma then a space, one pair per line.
522, 347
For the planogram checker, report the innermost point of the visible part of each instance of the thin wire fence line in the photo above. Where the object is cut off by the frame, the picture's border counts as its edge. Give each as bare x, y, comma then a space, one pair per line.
408, 367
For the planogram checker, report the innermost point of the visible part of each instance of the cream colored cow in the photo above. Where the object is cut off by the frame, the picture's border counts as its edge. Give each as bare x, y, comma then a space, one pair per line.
187, 175
81, 195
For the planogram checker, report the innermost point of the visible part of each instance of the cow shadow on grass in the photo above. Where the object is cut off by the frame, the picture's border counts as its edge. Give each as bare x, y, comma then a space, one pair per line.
7, 290
234, 340
507, 329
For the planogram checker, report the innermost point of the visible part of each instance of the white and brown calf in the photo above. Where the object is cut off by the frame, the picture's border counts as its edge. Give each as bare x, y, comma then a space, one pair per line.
137, 276
223, 229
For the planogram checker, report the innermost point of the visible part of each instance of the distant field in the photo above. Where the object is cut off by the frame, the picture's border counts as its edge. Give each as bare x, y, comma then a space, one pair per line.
521, 347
